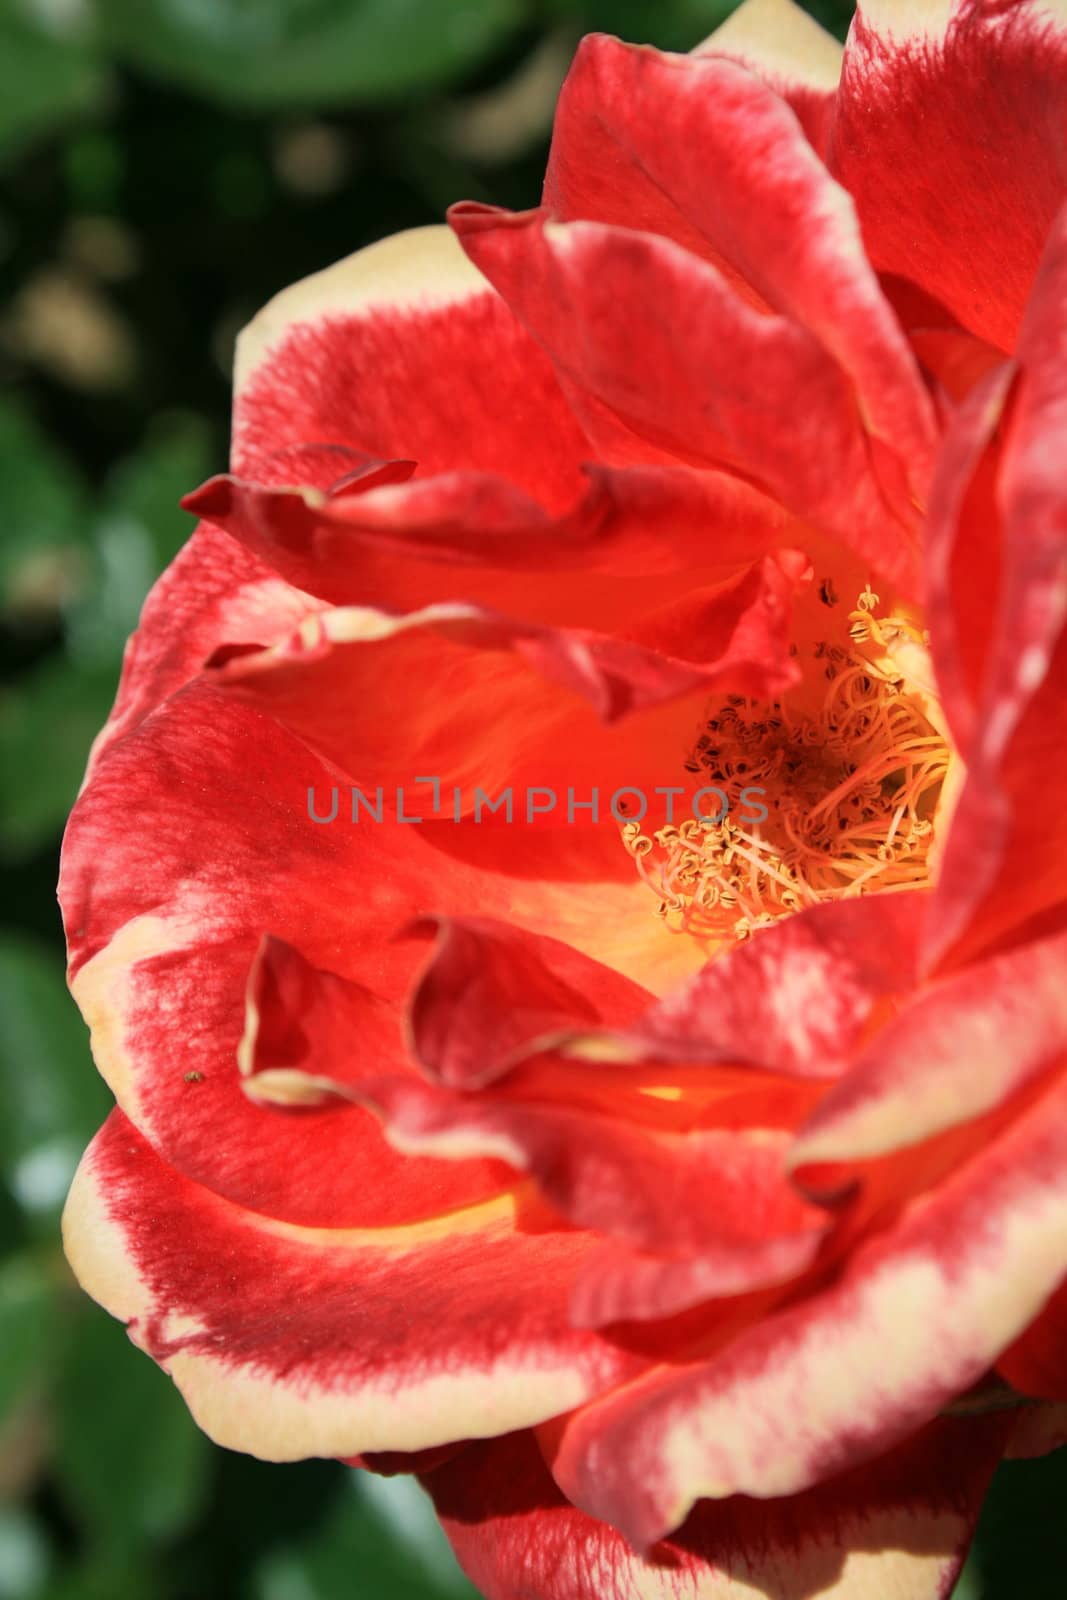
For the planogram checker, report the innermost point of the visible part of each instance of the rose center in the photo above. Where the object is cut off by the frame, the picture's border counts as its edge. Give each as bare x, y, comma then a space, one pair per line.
850, 790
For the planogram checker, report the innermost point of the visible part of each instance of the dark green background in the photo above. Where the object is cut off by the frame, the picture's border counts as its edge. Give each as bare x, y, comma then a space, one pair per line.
165, 167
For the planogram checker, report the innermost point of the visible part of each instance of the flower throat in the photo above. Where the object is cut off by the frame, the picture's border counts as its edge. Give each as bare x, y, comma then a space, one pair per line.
851, 790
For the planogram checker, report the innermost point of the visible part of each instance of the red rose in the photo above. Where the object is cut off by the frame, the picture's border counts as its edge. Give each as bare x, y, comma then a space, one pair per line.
680, 1166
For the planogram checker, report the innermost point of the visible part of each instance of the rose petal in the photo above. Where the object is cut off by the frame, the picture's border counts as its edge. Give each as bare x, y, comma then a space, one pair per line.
623, 1284
478, 535
491, 993
656, 1188
785, 45
899, 1528
794, 997
1006, 857
1036, 1364
609, 1148
948, 115
917, 1315
962, 552
289, 1342
385, 353
667, 353
1038, 1431
697, 149
445, 691
164, 920
958, 1050
213, 594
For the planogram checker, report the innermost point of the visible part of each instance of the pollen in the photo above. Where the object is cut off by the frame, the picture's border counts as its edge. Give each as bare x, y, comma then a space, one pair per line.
851, 784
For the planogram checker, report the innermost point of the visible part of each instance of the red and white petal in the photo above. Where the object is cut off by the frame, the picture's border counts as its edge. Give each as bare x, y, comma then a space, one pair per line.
624, 1284
1006, 857
289, 1342
948, 115
1037, 1431
784, 44
962, 1048
305, 1027
1036, 1364
698, 149
397, 1463
918, 1314
609, 1146
491, 994
475, 535
666, 361
164, 921
165, 918
796, 997
403, 350
214, 593
609, 1167
446, 690
898, 1530
962, 553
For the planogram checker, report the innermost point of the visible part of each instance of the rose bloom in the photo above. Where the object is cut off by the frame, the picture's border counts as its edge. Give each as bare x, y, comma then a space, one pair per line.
686, 1204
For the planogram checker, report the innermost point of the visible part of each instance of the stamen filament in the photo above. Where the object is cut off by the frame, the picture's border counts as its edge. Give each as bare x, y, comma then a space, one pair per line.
851, 790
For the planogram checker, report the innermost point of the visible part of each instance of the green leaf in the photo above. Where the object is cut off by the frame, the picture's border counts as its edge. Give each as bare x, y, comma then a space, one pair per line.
969, 1586
130, 1460
835, 15
49, 717
28, 1332
667, 24
47, 72
25, 1555
311, 52
107, 1579
43, 516
678, 24
385, 1530
139, 529
174, 458
1021, 1544
52, 1096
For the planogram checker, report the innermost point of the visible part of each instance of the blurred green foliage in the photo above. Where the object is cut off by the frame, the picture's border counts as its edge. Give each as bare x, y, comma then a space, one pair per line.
166, 166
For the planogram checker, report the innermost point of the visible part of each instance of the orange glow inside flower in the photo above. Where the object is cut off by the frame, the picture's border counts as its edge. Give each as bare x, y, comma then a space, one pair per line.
851, 775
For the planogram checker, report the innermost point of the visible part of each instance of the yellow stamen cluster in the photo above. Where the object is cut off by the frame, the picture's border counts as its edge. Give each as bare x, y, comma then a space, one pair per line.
851, 789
